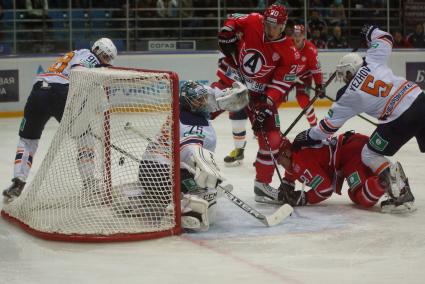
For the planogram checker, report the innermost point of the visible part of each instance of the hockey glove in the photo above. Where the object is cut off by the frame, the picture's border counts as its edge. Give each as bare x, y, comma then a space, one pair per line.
291, 196
366, 33
228, 41
303, 140
320, 91
207, 173
261, 116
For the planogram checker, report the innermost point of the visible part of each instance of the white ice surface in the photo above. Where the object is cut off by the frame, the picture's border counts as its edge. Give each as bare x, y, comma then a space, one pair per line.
333, 242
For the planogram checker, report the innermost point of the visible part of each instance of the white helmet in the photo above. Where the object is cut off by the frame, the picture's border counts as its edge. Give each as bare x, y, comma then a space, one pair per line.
104, 47
349, 63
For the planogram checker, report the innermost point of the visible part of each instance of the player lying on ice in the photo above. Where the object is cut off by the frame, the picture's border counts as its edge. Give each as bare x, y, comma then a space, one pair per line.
398, 104
323, 167
197, 146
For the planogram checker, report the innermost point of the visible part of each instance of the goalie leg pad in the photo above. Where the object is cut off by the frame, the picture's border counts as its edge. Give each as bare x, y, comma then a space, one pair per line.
195, 207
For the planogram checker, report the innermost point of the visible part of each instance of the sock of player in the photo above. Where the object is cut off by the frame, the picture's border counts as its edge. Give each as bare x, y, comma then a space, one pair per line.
264, 165
23, 160
239, 132
369, 194
303, 101
85, 158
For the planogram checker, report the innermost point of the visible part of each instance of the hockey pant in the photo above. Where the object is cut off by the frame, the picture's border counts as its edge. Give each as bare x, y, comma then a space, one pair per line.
264, 165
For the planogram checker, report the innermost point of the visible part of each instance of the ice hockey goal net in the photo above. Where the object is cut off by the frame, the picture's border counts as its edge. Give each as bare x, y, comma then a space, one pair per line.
111, 172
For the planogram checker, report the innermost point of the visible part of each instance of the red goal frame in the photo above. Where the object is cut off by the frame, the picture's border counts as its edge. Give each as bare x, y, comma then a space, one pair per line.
121, 237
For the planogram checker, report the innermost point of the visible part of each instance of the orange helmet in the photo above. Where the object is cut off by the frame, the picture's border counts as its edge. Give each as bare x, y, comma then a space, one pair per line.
276, 14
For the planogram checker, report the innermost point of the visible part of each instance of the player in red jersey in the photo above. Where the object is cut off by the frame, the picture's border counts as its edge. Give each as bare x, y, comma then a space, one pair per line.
257, 49
324, 167
308, 69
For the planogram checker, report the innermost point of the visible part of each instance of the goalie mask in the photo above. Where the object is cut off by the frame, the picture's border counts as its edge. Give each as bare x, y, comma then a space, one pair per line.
105, 50
194, 98
348, 66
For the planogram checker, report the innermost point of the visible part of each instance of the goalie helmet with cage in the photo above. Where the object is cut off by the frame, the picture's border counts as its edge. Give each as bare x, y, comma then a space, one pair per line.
194, 97
349, 63
105, 49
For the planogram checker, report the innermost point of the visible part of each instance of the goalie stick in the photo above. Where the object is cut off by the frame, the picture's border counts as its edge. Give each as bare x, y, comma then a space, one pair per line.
276, 218
269, 220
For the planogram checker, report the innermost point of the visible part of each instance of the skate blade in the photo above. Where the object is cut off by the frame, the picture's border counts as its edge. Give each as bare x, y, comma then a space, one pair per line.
407, 207
267, 200
233, 164
8, 199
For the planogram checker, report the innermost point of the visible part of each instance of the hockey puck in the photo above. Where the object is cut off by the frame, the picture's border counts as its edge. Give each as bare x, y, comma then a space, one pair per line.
121, 161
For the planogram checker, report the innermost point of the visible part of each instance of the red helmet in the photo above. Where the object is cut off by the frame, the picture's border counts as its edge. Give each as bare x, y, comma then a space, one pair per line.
285, 144
299, 29
276, 14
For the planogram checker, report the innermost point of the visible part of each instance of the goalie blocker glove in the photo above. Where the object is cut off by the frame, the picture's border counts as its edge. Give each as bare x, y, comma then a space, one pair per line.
228, 41
303, 140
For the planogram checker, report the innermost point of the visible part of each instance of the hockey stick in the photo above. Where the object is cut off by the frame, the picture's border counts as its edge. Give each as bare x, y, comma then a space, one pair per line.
277, 217
243, 81
332, 100
271, 220
316, 96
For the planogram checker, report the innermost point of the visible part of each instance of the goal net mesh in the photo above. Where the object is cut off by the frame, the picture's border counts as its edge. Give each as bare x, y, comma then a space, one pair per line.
111, 170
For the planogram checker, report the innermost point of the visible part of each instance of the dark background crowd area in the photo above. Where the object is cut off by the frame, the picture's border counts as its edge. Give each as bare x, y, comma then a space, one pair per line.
56, 25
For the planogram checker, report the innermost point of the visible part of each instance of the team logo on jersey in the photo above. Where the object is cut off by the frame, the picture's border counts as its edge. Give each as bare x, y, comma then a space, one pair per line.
275, 56
254, 63
316, 181
353, 180
22, 125
377, 142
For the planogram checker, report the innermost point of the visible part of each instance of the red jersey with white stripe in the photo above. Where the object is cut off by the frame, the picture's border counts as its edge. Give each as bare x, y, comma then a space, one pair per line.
309, 65
323, 168
268, 67
59, 71
374, 90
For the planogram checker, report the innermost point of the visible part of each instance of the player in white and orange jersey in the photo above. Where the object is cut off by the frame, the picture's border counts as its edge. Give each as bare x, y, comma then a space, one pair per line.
398, 104
47, 99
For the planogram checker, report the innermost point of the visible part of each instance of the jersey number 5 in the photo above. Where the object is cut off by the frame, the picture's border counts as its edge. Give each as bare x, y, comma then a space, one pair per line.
61, 63
376, 88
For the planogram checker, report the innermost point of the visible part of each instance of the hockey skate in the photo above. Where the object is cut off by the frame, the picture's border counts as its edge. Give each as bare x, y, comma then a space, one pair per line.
235, 157
399, 198
14, 190
265, 193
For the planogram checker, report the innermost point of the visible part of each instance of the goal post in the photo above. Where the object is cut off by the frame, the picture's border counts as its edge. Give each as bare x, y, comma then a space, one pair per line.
101, 181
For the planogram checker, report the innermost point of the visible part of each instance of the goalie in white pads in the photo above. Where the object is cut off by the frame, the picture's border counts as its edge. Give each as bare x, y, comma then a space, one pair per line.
197, 146
398, 104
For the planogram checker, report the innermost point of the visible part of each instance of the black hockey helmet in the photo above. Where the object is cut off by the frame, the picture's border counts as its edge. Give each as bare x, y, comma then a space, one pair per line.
194, 97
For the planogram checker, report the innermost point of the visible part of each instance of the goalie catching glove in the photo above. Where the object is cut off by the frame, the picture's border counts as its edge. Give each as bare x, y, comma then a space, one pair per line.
207, 173
234, 98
